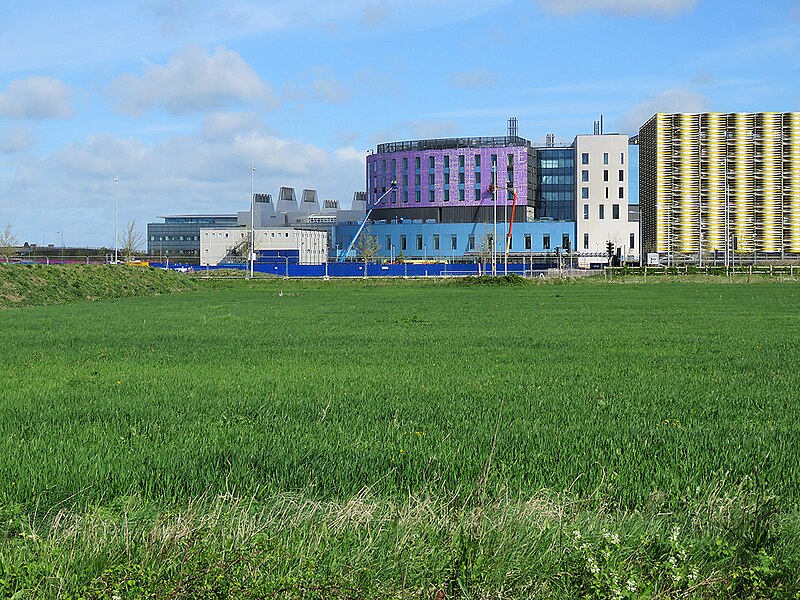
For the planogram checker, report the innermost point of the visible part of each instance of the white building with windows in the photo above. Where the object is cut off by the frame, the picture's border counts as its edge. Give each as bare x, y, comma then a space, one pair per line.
601, 182
272, 244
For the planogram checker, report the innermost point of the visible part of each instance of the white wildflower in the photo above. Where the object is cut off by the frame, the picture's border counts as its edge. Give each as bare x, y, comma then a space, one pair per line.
676, 532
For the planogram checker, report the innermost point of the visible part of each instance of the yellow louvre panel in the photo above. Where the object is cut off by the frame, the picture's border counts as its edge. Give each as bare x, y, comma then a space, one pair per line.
768, 157
714, 188
687, 220
664, 195
791, 182
741, 180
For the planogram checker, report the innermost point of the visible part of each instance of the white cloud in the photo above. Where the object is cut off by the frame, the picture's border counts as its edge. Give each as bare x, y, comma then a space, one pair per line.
473, 79
618, 7
192, 81
374, 14
16, 139
350, 153
330, 90
675, 100
73, 188
36, 98
218, 126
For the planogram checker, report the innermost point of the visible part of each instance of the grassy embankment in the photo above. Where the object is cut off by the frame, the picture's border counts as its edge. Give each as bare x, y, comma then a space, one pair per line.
349, 439
37, 285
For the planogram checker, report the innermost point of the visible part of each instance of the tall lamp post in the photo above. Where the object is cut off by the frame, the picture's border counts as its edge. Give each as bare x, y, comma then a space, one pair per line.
116, 216
252, 224
62, 244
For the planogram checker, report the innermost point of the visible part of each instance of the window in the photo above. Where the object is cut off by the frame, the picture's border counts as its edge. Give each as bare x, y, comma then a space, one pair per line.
460, 161
405, 164
527, 241
632, 240
417, 196
585, 193
388, 245
431, 195
477, 162
565, 241
605, 174
477, 194
435, 241
605, 158
471, 242
431, 179
405, 197
622, 158
606, 193
419, 242
585, 211
447, 194
477, 178
402, 242
446, 162
417, 163
602, 211
622, 192
461, 195
546, 241
585, 158
453, 241
621, 175
615, 211
585, 175
585, 241
431, 162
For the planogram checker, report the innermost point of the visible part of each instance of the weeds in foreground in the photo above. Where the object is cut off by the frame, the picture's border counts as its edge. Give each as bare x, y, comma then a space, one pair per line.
424, 547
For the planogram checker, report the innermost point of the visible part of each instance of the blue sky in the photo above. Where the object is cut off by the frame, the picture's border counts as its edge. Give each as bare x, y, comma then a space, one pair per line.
177, 98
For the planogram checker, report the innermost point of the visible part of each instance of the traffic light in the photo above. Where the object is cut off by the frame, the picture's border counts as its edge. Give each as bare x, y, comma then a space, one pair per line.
610, 249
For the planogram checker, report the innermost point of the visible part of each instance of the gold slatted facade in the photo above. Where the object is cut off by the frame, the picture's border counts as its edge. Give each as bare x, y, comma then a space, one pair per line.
718, 172
791, 182
712, 189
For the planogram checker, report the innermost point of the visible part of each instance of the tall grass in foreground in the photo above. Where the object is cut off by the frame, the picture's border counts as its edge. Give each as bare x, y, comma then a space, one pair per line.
553, 440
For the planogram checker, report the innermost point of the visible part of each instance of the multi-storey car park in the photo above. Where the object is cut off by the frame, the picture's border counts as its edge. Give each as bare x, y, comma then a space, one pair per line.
721, 187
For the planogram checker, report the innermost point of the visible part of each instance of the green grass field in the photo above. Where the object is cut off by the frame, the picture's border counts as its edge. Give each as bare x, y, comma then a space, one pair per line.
354, 439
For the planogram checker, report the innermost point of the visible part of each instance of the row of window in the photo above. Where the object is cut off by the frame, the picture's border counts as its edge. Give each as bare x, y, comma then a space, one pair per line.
477, 194
585, 175
601, 214
476, 162
585, 193
174, 238
631, 241
585, 158
421, 246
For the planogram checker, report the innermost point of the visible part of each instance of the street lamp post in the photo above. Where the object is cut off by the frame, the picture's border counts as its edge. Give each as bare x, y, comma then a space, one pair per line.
116, 217
62, 245
253, 225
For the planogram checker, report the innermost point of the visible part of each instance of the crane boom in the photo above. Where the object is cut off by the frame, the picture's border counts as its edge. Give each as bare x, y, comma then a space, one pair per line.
392, 187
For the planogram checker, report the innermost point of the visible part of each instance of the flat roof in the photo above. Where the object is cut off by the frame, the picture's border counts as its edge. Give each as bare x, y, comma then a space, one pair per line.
199, 216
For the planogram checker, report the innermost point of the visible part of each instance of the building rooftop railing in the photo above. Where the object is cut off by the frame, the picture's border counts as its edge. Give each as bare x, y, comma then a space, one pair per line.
453, 143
